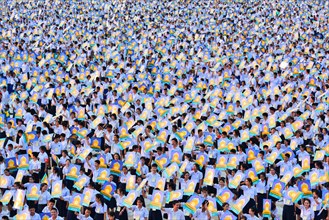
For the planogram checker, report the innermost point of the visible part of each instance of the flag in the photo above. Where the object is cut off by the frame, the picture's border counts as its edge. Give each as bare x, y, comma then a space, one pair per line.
44, 179
108, 190
193, 204
156, 200
267, 208
55, 158
75, 202
88, 193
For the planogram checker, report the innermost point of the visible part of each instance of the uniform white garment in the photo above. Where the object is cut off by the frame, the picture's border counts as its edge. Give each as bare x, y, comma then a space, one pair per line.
36, 216
34, 165
201, 215
172, 215
140, 213
99, 208
306, 214
152, 179
249, 192
44, 198
83, 217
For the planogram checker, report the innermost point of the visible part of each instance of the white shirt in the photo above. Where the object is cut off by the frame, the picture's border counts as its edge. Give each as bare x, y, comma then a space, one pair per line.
34, 165
314, 205
42, 157
261, 187
36, 216
249, 192
249, 217
196, 175
152, 179
140, 213
99, 208
172, 215
82, 217
201, 215
306, 214
44, 198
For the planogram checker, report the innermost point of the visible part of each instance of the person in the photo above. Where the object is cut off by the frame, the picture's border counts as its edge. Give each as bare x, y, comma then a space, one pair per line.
3, 212
54, 215
203, 213
86, 215
120, 210
111, 216
306, 211
174, 212
44, 197
252, 214
249, 191
261, 192
100, 208
63, 200
139, 212
34, 166
316, 204
33, 214
49, 207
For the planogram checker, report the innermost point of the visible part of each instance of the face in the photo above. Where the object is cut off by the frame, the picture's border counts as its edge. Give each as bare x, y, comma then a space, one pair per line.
176, 206
53, 214
45, 187
32, 211
97, 165
87, 213
139, 203
306, 203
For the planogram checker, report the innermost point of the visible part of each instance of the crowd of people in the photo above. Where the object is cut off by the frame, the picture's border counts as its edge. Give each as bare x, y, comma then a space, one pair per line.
173, 109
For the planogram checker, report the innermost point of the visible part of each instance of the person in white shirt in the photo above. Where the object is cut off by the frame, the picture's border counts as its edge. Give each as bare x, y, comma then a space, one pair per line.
54, 176
152, 178
44, 197
2, 165
120, 209
99, 132
3, 212
43, 158
140, 212
316, 204
251, 215
49, 207
261, 192
85, 216
284, 165
203, 212
33, 214
306, 212
54, 215
10, 179
34, 166
175, 212
100, 208
197, 175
